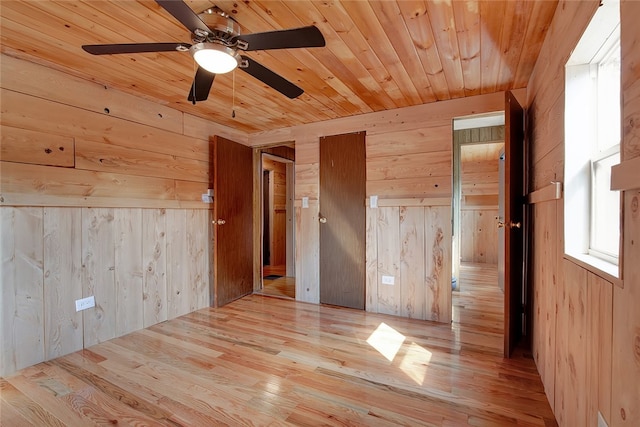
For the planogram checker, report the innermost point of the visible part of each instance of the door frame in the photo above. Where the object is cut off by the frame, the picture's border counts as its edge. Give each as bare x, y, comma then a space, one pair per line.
456, 189
258, 210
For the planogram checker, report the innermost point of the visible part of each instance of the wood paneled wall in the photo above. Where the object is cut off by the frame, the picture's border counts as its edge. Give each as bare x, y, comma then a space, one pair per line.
586, 329
100, 195
409, 154
70, 142
143, 266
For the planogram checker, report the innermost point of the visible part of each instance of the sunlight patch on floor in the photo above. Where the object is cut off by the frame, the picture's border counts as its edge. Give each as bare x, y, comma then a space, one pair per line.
416, 362
386, 340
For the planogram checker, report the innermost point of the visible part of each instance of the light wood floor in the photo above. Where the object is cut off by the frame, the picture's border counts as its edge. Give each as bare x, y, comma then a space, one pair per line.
271, 361
282, 286
479, 304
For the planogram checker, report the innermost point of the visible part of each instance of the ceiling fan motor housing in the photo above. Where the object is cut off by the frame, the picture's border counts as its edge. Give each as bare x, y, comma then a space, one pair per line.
223, 29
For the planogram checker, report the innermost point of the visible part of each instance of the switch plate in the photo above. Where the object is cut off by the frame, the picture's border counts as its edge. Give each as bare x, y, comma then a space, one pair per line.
388, 280
373, 201
84, 303
206, 198
305, 202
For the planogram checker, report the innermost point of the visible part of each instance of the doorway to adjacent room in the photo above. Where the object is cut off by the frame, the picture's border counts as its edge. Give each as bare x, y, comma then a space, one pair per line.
277, 222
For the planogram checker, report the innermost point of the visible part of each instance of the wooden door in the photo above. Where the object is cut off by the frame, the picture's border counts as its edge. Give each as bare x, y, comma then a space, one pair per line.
342, 220
513, 222
233, 221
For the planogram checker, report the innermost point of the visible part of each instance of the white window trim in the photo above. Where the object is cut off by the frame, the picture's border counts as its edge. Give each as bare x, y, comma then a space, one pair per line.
578, 130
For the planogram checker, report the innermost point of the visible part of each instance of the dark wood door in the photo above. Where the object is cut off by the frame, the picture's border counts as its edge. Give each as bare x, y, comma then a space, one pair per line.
513, 222
233, 221
342, 220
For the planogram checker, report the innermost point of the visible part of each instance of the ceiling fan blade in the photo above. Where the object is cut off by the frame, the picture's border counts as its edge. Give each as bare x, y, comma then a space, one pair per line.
110, 49
201, 86
184, 14
270, 78
284, 39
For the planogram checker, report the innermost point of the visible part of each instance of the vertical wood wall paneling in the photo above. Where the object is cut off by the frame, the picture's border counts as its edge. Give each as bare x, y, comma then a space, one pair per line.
438, 263
178, 287
388, 227
600, 331
371, 303
625, 410
128, 270
412, 256
544, 287
197, 236
22, 307
154, 262
62, 281
98, 263
308, 253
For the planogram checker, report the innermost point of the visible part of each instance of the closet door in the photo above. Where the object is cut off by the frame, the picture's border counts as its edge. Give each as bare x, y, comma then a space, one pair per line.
342, 220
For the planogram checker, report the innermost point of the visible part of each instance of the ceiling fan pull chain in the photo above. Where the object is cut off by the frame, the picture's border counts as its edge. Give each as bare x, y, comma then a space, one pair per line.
233, 96
193, 92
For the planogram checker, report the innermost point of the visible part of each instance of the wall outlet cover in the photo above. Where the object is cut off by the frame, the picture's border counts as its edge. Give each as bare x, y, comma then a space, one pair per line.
84, 303
388, 280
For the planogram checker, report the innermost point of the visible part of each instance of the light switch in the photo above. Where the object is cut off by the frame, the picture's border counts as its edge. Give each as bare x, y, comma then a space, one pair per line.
305, 202
373, 201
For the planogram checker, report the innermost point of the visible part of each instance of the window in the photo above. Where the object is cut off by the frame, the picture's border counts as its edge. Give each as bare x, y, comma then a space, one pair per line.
592, 143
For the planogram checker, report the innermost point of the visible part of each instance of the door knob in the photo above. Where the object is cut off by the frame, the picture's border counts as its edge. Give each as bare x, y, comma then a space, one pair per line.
323, 220
219, 221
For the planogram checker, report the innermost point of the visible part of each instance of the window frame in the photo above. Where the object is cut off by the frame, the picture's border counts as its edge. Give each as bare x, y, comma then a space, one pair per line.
582, 90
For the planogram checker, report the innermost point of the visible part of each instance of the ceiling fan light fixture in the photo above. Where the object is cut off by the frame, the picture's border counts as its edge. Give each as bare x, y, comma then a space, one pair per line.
214, 57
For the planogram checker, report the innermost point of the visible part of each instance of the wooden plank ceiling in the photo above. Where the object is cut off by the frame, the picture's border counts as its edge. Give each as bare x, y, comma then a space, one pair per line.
380, 55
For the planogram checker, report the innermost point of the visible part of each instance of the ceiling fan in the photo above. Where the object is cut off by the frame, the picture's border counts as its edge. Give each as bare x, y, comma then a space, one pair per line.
216, 45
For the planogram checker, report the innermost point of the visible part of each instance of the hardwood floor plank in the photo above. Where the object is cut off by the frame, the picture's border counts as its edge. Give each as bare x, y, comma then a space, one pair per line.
271, 361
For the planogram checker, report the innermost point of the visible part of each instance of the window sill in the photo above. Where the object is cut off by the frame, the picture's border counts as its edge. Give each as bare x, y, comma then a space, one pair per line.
603, 269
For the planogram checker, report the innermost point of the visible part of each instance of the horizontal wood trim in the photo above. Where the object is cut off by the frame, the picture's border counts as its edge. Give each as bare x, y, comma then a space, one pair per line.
626, 175
480, 201
28, 146
407, 202
479, 208
552, 191
312, 202
25, 200
98, 156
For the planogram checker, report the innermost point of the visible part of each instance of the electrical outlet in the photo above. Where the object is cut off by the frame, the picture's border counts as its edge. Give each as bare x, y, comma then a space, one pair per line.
84, 303
388, 280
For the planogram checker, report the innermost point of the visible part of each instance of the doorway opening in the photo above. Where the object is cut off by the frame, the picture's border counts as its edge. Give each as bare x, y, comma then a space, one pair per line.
477, 298
277, 222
